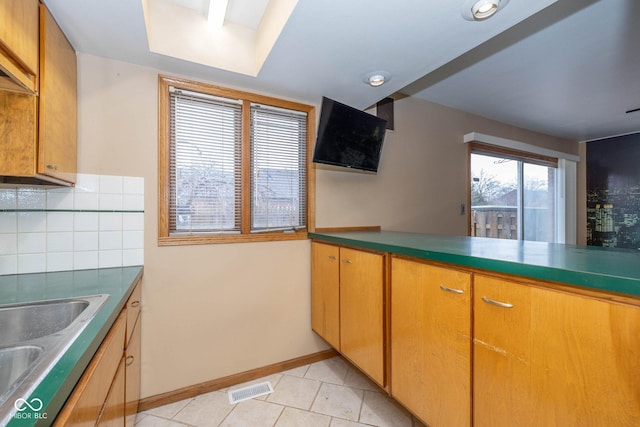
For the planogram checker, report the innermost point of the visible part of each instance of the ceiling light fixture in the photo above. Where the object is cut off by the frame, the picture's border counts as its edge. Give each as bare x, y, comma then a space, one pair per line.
377, 78
483, 9
479, 10
217, 12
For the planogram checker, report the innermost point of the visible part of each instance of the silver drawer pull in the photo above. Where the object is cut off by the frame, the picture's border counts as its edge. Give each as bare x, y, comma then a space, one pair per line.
346, 261
455, 291
498, 303
332, 257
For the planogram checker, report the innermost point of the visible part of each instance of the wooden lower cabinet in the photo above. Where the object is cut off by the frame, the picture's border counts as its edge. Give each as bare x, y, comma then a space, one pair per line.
431, 342
547, 358
362, 337
108, 392
84, 406
325, 292
347, 304
113, 408
132, 367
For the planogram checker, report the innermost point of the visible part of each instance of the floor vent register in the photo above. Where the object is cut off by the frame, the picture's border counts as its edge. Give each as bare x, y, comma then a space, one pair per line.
250, 392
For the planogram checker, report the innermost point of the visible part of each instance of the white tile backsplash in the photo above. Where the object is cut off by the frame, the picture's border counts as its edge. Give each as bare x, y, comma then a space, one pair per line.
9, 264
110, 202
32, 263
59, 221
110, 240
32, 243
32, 222
85, 241
8, 222
8, 198
60, 199
81, 227
86, 221
60, 242
111, 184
85, 201
9, 244
32, 198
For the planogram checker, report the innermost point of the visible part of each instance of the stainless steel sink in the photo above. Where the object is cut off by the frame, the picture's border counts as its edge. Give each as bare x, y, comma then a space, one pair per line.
30, 321
15, 361
33, 337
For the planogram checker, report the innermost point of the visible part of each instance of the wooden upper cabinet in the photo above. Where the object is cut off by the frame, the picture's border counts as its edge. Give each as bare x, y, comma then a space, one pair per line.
325, 292
19, 44
545, 357
362, 311
57, 157
431, 342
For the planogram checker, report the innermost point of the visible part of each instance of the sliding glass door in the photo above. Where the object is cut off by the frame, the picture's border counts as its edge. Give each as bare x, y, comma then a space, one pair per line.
512, 197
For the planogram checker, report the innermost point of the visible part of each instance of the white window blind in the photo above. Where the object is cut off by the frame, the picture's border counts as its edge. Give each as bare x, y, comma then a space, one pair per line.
278, 168
205, 163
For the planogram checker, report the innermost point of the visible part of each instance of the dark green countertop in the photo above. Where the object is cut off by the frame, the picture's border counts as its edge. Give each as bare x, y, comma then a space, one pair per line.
57, 385
602, 269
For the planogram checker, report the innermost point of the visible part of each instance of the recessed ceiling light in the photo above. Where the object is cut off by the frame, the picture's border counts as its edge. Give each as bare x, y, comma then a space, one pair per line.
483, 9
479, 10
377, 78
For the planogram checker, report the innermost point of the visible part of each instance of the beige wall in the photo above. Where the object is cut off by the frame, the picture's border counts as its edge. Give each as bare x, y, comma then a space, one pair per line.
215, 310
211, 310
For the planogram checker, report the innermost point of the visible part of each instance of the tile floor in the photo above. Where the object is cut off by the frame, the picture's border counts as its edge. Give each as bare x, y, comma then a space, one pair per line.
330, 393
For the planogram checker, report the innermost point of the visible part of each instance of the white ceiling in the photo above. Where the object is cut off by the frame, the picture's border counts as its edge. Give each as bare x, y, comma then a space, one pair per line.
569, 70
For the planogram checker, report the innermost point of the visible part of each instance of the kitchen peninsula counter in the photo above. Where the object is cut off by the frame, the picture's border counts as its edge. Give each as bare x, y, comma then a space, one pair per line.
590, 267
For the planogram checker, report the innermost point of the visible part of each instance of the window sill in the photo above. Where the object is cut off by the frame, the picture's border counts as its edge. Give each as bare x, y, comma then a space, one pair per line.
236, 238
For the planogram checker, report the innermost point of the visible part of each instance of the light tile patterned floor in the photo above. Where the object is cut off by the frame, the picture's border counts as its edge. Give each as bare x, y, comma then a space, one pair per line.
330, 393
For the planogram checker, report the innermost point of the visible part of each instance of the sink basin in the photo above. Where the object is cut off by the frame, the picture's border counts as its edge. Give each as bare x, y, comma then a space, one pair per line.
30, 321
33, 337
15, 361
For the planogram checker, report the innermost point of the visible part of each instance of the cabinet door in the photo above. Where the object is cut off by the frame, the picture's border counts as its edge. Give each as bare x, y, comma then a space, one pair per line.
113, 410
431, 342
58, 120
361, 311
132, 361
554, 358
501, 354
84, 406
19, 41
18, 133
325, 292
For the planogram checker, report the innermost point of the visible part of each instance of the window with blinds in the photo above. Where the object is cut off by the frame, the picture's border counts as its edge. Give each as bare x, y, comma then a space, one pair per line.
233, 165
278, 168
204, 163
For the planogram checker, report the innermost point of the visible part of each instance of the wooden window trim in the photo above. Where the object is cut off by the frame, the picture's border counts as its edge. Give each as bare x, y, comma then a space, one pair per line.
164, 239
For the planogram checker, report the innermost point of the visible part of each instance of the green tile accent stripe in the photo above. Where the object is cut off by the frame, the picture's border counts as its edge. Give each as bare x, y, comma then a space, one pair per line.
597, 268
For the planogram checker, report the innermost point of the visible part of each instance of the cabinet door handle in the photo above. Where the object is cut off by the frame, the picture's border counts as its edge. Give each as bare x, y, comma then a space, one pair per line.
332, 257
135, 303
455, 291
129, 360
54, 167
346, 261
498, 303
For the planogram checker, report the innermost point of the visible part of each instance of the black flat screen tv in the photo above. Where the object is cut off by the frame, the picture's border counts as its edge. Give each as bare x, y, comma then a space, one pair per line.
348, 137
